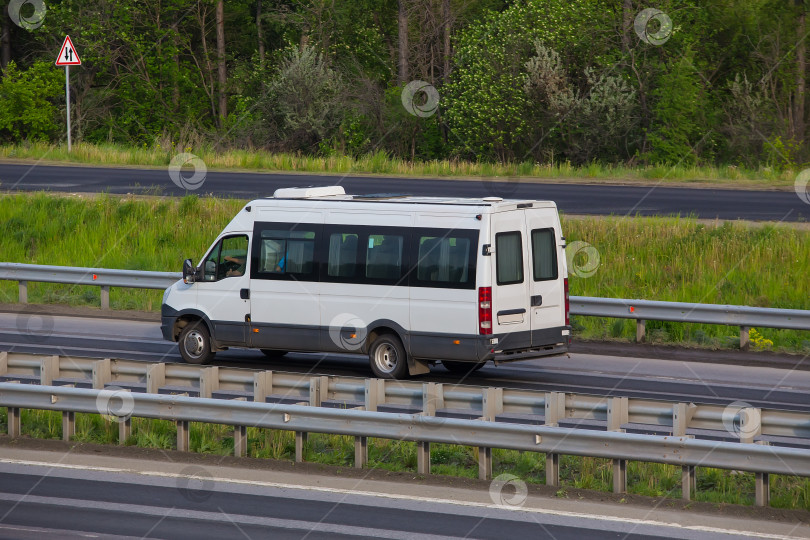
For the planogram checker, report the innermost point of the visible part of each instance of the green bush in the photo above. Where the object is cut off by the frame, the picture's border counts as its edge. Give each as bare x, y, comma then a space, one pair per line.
27, 109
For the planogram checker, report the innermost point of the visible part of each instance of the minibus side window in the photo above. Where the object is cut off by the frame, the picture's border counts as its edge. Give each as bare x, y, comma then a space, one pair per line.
443, 259
509, 258
544, 255
384, 256
286, 252
342, 260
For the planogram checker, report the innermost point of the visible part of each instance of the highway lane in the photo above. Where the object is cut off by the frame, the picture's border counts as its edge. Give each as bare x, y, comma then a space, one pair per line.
579, 373
570, 198
203, 502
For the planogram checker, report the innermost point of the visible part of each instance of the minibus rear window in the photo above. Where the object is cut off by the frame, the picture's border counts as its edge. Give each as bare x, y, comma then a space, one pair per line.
544, 254
509, 258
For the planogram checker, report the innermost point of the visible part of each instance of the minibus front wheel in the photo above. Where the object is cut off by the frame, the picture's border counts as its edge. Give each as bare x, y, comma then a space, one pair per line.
388, 358
195, 343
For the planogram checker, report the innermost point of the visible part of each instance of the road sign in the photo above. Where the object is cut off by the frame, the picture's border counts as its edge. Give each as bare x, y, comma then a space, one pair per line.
68, 55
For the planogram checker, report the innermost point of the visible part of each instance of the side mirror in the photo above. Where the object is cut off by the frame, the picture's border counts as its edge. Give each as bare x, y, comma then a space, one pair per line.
189, 272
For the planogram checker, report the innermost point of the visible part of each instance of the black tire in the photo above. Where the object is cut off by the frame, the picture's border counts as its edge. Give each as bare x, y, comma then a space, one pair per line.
462, 368
273, 353
195, 343
388, 358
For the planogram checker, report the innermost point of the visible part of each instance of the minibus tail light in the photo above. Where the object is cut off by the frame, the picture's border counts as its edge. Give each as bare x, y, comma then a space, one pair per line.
485, 311
567, 304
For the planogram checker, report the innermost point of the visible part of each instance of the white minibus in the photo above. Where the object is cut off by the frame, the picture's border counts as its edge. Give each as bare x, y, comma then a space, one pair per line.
409, 281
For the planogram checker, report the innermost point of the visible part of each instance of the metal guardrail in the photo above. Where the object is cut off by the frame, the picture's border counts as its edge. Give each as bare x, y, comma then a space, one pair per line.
641, 310
425, 412
648, 310
99, 277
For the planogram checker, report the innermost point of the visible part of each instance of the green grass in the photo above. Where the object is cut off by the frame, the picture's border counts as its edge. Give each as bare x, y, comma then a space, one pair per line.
670, 259
649, 479
381, 163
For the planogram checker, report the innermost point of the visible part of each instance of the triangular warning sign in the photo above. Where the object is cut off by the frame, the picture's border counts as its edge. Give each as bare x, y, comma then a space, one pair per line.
68, 55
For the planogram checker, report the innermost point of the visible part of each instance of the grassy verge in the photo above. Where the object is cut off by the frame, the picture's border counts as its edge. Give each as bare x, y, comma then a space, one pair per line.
650, 479
381, 163
654, 258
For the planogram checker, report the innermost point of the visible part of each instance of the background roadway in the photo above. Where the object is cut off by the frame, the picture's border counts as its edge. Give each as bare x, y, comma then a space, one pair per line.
573, 198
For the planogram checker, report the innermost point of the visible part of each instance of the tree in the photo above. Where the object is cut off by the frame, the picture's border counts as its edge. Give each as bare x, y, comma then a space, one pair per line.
402, 42
222, 70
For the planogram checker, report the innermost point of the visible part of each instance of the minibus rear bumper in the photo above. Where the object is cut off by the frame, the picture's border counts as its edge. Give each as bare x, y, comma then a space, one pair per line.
525, 345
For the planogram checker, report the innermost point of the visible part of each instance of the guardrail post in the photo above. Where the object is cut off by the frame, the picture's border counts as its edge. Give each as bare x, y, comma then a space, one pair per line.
48, 370
300, 440
491, 407
14, 425
240, 441
105, 297
262, 386
182, 435
641, 328
209, 381
102, 373
3, 363
22, 286
745, 337
68, 425
155, 377
124, 430
681, 416
750, 424
762, 488
374, 394
555, 411
432, 400
317, 392
688, 481
618, 415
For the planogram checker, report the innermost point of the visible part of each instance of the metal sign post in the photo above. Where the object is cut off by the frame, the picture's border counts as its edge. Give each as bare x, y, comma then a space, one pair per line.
68, 57
67, 100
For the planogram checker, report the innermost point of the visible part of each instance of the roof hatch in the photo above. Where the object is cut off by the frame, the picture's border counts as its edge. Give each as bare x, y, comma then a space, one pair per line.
309, 192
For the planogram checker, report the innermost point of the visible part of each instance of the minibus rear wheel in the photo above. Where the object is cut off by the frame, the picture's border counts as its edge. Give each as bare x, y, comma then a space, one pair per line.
195, 343
388, 358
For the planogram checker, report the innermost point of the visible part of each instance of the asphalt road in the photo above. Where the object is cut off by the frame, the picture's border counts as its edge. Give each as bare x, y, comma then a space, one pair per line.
570, 198
580, 373
39, 501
